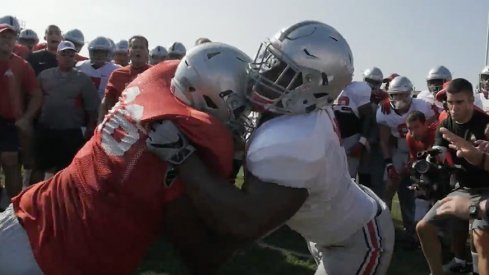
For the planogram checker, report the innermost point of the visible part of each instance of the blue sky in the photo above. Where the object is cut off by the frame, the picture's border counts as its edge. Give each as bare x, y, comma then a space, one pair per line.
408, 37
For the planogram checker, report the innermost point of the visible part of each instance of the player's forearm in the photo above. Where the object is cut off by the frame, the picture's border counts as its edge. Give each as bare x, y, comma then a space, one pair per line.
224, 207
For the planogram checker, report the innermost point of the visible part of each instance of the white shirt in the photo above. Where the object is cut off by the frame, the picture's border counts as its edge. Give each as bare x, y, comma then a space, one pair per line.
99, 76
304, 151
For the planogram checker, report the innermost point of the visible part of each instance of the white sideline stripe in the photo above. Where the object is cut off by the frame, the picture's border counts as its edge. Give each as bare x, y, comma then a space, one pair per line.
283, 250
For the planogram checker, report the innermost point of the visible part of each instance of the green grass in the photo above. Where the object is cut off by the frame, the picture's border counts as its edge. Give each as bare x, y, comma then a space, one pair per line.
257, 260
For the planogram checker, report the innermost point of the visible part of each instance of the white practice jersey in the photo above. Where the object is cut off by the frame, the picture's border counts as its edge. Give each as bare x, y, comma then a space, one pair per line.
482, 102
427, 96
304, 151
355, 95
397, 123
99, 76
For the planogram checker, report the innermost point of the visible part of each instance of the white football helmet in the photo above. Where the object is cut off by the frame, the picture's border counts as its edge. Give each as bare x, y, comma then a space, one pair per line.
101, 44
212, 78
176, 51
76, 37
374, 77
157, 54
484, 80
400, 92
122, 46
12, 21
300, 69
436, 77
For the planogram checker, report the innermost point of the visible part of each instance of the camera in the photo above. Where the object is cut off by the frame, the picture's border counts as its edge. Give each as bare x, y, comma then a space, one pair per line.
431, 177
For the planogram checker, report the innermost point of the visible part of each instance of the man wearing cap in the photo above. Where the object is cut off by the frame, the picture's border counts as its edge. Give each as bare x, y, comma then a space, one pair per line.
69, 98
118, 80
17, 82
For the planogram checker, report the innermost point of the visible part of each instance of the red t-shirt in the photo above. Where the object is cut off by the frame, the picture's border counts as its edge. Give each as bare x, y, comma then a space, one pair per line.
121, 77
100, 214
416, 146
12, 92
21, 51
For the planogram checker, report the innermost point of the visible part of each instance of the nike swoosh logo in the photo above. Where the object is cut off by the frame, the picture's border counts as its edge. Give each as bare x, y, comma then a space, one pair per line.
176, 144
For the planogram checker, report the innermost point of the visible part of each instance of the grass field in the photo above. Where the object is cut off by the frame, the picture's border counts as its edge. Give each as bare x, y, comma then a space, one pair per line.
288, 256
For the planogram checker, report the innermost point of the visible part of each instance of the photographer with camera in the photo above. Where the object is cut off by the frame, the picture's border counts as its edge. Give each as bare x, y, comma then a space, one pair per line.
472, 182
420, 137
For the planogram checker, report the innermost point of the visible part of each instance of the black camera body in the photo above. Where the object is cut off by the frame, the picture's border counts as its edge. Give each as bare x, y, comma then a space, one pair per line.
431, 177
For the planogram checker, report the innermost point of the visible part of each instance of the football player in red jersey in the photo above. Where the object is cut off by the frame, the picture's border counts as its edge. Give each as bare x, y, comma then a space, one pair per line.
100, 214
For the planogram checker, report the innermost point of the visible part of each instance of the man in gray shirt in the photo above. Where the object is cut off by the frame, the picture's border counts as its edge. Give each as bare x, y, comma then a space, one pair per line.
70, 100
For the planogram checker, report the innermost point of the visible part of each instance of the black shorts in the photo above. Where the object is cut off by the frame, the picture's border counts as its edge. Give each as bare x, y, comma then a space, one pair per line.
9, 138
55, 149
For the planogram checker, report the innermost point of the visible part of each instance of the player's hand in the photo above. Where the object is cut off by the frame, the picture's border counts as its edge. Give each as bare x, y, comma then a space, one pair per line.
392, 172
465, 149
24, 126
482, 145
168, 143
385, 106
454, 205
356, 150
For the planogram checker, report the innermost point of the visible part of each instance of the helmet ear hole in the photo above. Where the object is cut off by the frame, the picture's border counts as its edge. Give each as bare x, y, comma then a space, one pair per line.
209, 102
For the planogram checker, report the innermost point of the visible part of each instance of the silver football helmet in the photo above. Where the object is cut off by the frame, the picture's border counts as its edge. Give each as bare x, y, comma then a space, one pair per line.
300, 69
484, 80
212, 78
400, 92
157, 54
76, 37
101, 44
436, 77
176, 51
374, 77
29, 34
122, 46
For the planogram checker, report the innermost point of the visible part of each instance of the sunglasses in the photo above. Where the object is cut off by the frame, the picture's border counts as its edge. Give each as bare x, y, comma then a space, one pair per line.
67, 54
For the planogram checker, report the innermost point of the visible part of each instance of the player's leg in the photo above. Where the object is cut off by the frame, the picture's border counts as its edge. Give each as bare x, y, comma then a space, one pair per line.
9, 158
353, 161
15, 252
368, 251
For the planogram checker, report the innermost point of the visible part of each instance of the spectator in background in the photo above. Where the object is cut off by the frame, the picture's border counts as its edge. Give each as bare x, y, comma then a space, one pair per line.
157, 54
202, 40
371, 167
28, 38
121, 56
76, 37
69, 97
355, 116
46, 58
176, 51
118, 80
98, 68
18, 85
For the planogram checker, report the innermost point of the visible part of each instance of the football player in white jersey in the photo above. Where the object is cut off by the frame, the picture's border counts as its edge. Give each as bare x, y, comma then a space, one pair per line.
296, 170
355, 115
481, 99
437, 76
392, 124
98, 67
